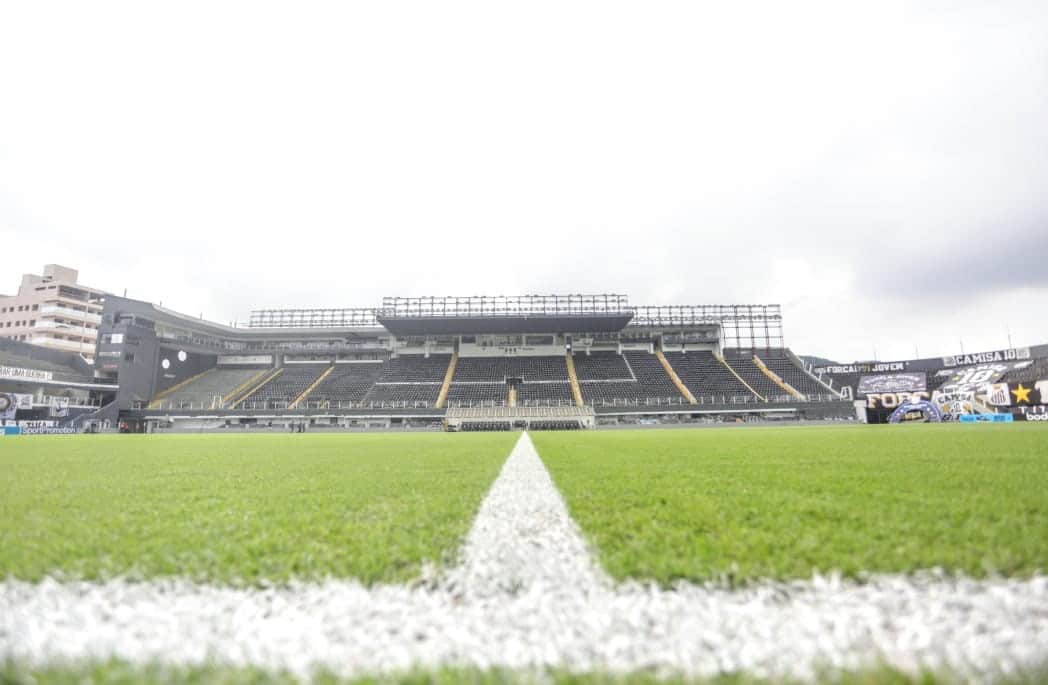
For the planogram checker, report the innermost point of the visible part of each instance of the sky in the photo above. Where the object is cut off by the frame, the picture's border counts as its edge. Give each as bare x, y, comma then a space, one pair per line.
880, 169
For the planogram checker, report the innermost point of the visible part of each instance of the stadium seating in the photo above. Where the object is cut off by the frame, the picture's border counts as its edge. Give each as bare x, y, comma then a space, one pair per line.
537, 394
207, 390
347, 383
602, 366
498, 369
60, 372
608, 378
411, 380
742, 362
1037, 371
470, 394
708, 379
780, 363
285, 387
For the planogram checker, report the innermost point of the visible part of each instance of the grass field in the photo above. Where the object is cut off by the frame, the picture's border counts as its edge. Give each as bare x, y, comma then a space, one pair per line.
240, 509
784, 502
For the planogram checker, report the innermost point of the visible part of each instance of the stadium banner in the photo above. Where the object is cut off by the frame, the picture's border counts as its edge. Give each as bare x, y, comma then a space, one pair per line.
48, 431
59, 407
868, 367
234, 359
986, 418
36, 423
11, 430
1009, 355
1036, 413
19, 374
898, 382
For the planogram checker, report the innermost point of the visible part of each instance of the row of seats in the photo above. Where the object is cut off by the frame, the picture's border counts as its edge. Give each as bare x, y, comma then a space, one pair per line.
347, 383
58, 371
411, 379
286, 386
706, 376
601, 366
207, 390
498, 369
796, 377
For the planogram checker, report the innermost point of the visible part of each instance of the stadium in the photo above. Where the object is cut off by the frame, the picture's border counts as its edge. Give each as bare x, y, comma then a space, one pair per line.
487, 363
809, 544
544, 343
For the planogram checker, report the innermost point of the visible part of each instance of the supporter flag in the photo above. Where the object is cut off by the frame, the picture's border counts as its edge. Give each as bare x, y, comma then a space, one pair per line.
997, 394
1042, 391
8, 405
59, 407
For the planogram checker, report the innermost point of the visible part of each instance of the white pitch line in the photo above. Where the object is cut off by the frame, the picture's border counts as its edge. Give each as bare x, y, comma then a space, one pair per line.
527, 594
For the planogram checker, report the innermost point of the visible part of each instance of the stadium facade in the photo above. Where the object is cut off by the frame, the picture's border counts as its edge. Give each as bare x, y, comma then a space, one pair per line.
489, 362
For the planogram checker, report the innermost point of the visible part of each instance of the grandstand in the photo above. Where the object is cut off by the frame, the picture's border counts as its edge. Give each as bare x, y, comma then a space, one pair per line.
423, 359
47, 390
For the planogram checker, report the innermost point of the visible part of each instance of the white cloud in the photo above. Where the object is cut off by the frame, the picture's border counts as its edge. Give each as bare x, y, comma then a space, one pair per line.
228, 156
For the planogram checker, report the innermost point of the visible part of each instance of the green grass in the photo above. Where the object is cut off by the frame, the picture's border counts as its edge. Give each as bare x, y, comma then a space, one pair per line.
121, 673
240, 509
742, 504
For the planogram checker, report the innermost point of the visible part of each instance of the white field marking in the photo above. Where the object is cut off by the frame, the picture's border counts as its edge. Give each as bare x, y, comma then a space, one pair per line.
527, 594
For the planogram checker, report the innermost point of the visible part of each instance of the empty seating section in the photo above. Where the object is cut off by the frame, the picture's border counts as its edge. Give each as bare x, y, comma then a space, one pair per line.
484, 380
411, 380
207, 390
650, 375
544, 393
345, 383
748, 370
59, 372
707, 378
602, 366
1037, 371
498, 369
415, 368
285, 387
609, 378
403, 394
778, 362
470, 394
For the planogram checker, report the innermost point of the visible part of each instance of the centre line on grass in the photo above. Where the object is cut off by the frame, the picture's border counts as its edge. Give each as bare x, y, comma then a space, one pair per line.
528, 594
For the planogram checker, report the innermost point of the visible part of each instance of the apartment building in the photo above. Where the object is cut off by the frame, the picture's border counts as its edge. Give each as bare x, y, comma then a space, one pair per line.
53, 310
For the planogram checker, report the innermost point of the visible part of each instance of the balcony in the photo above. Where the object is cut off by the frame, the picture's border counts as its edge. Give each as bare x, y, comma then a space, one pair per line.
67, 329
78, 314
87, 347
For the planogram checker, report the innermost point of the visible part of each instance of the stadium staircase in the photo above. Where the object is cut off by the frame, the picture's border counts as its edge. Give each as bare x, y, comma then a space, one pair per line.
511, 399
806, 368
442, 398
312, 387
255, 388
683, 389
155, 404
576, 391
236, 392
735, 373
777, 379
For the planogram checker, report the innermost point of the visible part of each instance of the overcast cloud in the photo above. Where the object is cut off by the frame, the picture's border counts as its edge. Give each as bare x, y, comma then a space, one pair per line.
878, 168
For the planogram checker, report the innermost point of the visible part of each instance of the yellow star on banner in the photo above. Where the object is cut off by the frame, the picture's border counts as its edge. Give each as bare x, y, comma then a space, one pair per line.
1021, 394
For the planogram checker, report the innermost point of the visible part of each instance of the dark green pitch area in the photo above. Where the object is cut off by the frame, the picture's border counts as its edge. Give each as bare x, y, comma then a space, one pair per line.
748, 503
240, 509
